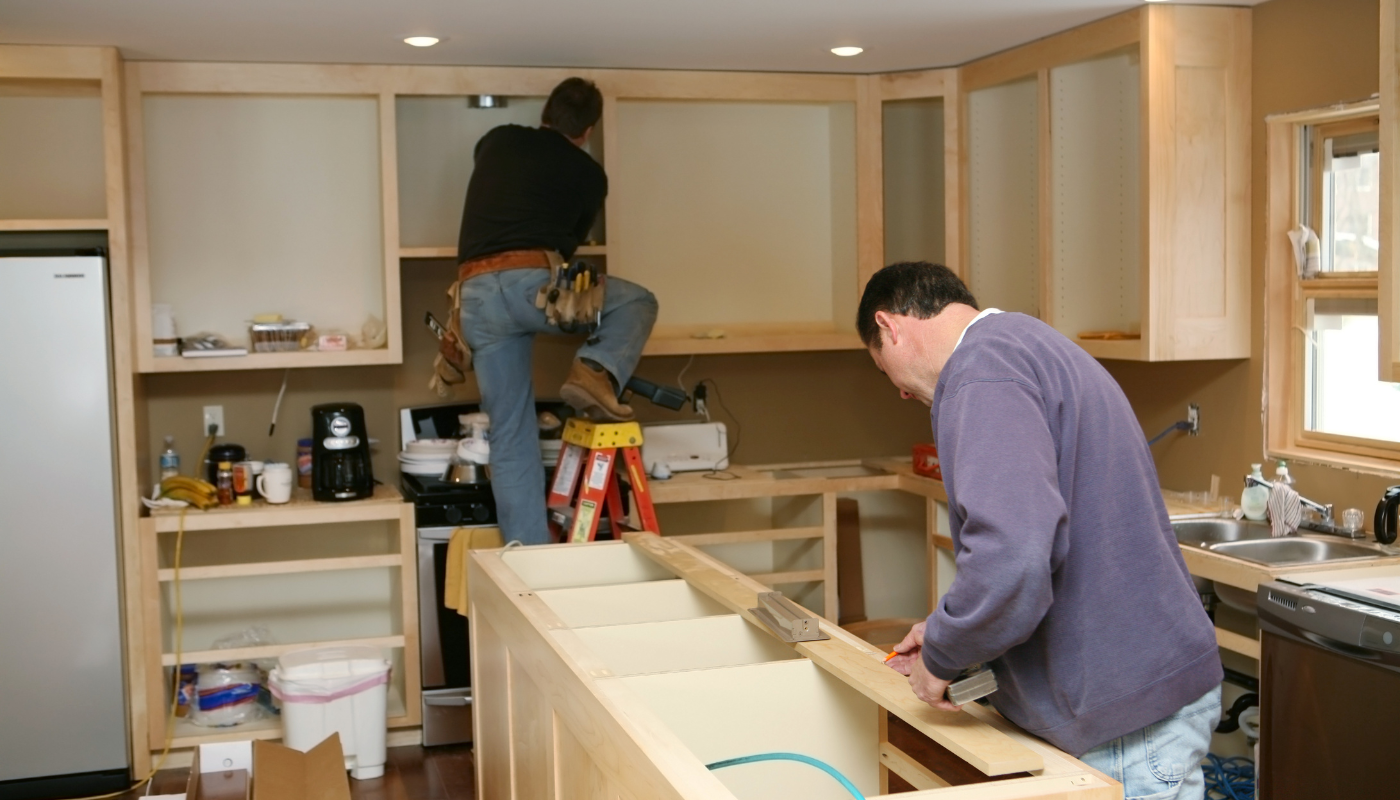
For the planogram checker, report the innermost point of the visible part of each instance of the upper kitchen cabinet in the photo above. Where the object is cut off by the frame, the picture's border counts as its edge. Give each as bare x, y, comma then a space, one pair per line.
1388, 264
437, 137
733, 198
1108, 183
918, 167
263, 189
60, 139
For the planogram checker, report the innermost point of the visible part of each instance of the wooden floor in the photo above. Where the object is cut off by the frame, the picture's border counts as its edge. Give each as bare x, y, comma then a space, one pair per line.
447, 773
413, 773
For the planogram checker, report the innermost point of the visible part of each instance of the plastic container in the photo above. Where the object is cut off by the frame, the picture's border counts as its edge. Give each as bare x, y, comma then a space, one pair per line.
304, 451
169, 459
1281, 474
1254, 500
336, 690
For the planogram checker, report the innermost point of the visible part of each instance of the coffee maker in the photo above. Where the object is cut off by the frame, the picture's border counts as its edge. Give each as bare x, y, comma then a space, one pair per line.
340, 466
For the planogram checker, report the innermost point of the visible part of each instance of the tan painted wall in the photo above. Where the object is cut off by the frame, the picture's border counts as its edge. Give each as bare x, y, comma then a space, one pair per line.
790, 407
1307, 53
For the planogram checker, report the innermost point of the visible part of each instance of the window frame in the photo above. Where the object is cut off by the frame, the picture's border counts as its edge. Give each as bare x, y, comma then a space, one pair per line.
1289, 199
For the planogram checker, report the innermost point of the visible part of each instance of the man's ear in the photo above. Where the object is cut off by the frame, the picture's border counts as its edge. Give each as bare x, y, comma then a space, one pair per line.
889, 329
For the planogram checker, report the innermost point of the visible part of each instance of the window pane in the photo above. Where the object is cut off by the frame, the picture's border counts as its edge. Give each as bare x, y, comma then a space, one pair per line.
1351, 205
1342, 395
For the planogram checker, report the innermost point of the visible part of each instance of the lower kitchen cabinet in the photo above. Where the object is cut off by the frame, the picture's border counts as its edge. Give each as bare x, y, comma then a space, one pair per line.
305, 573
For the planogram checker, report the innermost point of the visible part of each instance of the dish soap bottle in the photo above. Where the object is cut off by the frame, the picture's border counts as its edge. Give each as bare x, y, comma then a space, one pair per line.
169, 460
1281, 474
1254, 500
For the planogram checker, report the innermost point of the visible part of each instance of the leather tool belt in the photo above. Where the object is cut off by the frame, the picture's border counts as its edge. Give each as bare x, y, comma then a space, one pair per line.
510, 259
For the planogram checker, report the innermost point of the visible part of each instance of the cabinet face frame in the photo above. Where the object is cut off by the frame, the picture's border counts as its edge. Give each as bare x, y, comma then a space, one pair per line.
102, 67
944, 84
284, 81
1388, 299
1185, 53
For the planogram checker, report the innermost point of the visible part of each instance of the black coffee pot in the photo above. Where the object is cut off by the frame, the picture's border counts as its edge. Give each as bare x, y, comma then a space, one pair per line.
1386, 512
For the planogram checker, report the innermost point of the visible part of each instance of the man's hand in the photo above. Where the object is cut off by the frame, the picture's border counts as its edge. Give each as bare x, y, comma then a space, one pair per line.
910, 662
929, 688
909, 650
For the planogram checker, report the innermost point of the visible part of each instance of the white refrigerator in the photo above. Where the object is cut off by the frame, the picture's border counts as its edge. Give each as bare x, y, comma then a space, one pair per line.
62, 694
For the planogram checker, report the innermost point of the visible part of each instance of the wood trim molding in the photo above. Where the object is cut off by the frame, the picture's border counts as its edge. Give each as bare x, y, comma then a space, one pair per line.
1076, 44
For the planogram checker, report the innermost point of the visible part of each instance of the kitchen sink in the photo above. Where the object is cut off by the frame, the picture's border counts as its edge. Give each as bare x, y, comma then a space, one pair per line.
1209, 532
1297, 550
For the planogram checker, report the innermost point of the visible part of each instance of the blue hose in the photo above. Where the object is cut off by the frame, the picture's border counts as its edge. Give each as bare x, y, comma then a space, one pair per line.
1229, 778
821, 765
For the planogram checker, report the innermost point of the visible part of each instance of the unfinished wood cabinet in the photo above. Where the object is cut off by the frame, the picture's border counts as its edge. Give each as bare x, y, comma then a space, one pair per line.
575, 697
311, 574
250, 200
1108, 182
1388, 297
919, 166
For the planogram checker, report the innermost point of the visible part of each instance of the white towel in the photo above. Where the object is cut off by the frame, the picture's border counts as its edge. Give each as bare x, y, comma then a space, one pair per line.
1285, 509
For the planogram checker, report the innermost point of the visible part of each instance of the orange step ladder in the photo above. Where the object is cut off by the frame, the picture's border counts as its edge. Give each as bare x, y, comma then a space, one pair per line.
589, 473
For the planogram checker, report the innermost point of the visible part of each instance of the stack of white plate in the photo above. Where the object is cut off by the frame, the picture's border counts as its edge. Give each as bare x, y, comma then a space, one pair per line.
427, 456
549, 451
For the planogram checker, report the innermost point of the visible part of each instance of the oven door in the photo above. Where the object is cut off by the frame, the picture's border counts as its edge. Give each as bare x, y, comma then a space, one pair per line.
446, 655
1328, 718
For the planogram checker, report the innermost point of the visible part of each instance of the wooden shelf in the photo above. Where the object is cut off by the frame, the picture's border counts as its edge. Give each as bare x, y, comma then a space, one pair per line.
282, 567
272, 650
297, 360
749, 339
188, 734
1229, 640
451, 252
1119, 348
386, 504
53, 224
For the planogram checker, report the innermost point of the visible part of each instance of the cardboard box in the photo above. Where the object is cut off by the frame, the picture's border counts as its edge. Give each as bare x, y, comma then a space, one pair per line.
268, 771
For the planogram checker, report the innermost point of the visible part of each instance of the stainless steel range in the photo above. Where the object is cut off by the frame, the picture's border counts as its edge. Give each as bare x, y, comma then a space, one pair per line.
439, 509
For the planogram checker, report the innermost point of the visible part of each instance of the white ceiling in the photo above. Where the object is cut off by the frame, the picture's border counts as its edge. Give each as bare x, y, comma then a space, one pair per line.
659, 34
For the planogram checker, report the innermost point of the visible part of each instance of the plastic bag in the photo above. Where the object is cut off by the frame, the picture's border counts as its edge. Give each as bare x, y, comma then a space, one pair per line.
227, 694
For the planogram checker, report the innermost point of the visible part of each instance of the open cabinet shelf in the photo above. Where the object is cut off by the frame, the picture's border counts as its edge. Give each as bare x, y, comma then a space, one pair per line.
188, 734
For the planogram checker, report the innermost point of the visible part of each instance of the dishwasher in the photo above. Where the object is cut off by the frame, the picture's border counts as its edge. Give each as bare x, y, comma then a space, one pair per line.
1329, 685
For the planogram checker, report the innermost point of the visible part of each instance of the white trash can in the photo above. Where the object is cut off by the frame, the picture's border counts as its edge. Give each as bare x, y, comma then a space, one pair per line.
335, 689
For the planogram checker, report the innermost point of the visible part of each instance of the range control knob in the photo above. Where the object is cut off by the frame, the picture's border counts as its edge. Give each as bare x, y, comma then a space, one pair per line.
453, 514
480, 513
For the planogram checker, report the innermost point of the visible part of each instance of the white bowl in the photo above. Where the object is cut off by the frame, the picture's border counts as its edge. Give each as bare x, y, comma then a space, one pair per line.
424, 446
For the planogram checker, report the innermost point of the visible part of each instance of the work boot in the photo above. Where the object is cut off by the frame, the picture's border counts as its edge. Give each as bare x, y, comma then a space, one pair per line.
590, 391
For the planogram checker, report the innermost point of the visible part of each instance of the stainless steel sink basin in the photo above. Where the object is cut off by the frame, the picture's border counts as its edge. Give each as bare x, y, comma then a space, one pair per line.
835, 471
1297, 550
1208, 532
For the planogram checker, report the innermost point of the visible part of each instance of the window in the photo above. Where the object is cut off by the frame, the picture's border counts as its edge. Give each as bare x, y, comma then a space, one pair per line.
1323, 399
1343, 185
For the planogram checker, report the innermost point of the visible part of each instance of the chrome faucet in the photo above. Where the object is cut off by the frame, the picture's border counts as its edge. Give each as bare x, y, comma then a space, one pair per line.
1324, 524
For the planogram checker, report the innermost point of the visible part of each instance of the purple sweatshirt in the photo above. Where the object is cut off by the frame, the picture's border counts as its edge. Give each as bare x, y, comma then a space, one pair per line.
1070, 583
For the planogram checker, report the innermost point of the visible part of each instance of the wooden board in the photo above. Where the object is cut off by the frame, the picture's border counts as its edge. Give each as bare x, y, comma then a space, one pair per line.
852, 661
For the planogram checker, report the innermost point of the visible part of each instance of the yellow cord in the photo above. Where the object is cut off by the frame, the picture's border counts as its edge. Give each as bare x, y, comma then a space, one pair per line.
175, 696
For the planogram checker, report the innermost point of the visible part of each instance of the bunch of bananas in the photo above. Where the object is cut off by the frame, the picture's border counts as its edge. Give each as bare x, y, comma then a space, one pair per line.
198, 493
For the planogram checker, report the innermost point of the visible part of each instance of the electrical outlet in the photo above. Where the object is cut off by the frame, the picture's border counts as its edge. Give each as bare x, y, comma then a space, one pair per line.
1193, 416
213, 415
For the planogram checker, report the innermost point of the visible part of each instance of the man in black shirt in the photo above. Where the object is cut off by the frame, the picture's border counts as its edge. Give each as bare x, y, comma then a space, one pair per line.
533, 196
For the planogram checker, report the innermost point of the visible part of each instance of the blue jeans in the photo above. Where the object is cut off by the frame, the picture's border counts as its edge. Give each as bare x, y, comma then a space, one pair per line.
499, 322
1163, 760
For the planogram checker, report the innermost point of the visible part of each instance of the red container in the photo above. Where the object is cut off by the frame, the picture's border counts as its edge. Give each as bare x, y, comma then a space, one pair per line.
926, 461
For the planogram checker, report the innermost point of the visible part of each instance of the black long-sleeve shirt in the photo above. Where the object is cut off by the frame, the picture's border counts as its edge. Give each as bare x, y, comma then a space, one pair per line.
531, 188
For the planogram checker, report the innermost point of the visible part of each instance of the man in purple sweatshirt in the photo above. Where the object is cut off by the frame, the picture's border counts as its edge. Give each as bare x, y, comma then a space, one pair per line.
1070, 584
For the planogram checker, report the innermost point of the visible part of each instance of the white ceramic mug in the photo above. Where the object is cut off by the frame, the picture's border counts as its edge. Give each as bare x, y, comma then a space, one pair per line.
275, 482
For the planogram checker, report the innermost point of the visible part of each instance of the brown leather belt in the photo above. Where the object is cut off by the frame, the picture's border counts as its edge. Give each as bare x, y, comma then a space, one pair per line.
498, 262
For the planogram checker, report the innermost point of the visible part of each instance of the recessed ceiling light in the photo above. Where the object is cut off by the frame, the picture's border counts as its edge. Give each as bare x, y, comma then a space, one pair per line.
421, 41
848, 51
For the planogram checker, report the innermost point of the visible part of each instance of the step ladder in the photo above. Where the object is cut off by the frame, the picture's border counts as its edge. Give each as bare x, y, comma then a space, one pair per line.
589, 472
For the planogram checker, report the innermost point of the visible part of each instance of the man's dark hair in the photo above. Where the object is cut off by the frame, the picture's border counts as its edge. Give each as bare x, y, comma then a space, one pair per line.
573, 107
910, 288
